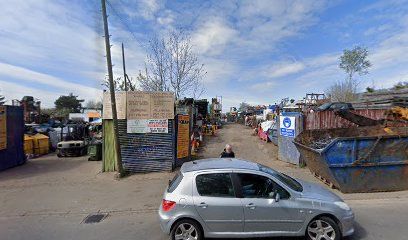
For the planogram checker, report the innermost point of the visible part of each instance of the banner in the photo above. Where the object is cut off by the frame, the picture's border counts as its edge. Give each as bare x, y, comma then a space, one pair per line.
147, 126
183, 136
3, 128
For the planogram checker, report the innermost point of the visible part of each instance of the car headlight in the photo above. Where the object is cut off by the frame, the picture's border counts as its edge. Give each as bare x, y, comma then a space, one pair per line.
343, 205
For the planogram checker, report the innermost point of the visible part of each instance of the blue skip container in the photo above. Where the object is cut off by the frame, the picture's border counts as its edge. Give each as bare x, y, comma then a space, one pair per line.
361, 159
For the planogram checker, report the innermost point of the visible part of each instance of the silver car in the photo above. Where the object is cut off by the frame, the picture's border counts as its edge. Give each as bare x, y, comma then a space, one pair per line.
232, 198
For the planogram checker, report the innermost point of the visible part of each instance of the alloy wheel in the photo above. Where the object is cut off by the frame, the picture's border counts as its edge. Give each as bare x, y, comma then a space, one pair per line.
186, 231
321, 230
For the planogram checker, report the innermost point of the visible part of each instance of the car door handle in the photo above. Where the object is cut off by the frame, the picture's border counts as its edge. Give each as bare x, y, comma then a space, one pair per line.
250, 206
203, 205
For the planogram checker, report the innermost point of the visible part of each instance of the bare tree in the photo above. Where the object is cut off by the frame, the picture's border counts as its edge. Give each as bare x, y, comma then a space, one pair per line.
172, 65
342, 91
120, 84
94, 104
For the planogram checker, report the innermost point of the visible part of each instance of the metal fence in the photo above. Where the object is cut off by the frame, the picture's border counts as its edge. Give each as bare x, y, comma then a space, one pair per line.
327, 119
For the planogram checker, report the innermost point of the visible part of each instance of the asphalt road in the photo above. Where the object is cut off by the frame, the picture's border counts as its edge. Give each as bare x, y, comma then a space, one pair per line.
48, 198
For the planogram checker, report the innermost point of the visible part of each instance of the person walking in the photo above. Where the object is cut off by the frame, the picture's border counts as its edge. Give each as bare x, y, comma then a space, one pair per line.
227, 153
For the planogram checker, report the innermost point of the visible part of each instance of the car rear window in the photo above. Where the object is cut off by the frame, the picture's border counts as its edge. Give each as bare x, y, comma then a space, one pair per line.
173, 184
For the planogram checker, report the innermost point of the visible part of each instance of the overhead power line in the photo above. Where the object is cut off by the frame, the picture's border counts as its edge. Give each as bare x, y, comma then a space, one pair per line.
124, 23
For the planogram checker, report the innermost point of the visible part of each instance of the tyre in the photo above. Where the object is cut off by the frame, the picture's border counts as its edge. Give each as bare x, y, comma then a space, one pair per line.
323, 228
186, 230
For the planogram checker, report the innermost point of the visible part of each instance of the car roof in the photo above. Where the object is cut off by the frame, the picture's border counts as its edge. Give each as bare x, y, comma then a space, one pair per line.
218, 163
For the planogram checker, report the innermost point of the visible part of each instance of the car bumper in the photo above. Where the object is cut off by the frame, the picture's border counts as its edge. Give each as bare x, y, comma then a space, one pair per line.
347, 224
165, 222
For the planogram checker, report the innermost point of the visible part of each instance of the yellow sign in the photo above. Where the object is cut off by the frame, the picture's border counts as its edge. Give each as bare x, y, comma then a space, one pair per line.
183, 138
3, 128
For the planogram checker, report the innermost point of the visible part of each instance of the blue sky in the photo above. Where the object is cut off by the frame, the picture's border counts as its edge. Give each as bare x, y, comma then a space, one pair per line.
256, 51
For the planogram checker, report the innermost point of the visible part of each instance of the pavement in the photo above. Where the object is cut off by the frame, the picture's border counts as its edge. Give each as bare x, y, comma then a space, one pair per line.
49, 197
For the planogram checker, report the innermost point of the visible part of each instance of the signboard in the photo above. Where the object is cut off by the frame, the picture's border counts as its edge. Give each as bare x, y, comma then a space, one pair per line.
147, 126
120, 105
138, 105
287, 126
162, 105
3, 128
183, 138
150, 105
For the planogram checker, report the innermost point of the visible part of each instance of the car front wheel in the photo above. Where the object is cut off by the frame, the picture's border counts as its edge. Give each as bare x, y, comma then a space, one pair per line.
186, 230
323, 228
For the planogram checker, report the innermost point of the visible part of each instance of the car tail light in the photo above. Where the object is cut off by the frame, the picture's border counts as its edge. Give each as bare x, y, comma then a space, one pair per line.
168, 205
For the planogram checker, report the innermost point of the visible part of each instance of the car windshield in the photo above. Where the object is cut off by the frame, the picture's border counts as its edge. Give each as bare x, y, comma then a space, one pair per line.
288, 181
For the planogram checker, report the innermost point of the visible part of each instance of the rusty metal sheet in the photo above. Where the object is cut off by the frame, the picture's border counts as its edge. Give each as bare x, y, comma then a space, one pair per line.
328, 119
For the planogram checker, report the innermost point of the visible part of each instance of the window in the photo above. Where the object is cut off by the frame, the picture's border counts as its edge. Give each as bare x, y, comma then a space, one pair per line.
288, 181
173, 184
215, 185
257, 186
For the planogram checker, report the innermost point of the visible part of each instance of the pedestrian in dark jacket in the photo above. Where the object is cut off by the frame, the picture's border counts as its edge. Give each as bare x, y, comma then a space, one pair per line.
227, 153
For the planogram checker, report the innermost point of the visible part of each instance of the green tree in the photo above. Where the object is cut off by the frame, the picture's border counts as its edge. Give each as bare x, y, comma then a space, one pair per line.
69, 103
400, 85
370, 89
243, 107
355, 61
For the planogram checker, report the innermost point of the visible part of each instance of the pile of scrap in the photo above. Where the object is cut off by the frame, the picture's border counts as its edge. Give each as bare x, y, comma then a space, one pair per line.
398, 113
383, 99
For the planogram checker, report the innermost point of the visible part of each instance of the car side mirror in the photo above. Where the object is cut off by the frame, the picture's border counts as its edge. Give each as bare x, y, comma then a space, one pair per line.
277, 197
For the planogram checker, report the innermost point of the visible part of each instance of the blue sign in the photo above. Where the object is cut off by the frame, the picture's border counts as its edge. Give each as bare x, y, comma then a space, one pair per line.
287, 126
287, 122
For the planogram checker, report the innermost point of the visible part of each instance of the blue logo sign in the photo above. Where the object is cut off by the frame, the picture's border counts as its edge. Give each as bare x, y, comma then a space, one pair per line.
287, 126
287, 122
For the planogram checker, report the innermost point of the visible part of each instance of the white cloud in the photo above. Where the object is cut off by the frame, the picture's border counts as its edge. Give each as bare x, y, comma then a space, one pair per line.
218, 71
284, 69
17, 91
53, 86
52, 48
212, 36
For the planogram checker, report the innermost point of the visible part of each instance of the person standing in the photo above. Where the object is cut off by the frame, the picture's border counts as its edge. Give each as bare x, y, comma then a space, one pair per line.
227, 153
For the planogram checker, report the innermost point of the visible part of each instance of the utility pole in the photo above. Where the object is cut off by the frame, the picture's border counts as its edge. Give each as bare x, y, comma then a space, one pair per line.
124, 67
119, 166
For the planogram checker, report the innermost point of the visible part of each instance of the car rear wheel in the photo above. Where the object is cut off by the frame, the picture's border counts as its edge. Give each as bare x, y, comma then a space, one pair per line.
186, 230
323, 228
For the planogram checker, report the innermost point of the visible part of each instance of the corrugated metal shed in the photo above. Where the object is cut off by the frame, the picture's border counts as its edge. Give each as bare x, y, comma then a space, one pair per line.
147, 152
287, 149
13, 155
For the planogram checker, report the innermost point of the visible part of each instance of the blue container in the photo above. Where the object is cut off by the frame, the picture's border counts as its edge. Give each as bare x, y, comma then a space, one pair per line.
13, 155
365, 159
